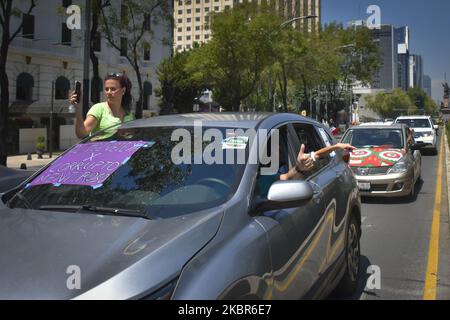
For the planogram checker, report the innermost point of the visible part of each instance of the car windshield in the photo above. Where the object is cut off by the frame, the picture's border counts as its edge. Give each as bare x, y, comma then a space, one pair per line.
148, 173
415, 123
373, 138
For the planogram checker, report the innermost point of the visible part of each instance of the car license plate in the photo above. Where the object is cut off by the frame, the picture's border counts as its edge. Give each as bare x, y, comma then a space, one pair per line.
364, 186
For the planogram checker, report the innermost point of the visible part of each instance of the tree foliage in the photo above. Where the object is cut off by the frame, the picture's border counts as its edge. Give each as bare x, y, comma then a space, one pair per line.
392, 104
179, 88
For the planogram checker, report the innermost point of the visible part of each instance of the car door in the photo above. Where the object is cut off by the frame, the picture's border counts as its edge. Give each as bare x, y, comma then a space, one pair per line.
296, 253
415, 154
332, 177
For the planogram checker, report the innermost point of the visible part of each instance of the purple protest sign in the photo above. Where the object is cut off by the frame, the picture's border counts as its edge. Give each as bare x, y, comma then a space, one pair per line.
89, 164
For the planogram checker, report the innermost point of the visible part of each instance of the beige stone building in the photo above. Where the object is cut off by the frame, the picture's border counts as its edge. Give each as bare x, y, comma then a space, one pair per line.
192, 17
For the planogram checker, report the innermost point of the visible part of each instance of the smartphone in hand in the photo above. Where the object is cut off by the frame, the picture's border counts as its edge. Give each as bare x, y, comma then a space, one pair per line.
78, 90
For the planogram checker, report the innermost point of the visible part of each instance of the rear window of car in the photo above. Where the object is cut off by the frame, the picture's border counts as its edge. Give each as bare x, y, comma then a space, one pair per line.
415, 123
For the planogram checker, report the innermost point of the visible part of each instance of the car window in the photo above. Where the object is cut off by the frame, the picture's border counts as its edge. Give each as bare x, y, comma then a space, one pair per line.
371, 138
416, 123
149, 180
264, 181
308, 136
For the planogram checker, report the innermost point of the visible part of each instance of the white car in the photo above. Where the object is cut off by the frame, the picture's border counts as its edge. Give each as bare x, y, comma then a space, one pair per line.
424, 130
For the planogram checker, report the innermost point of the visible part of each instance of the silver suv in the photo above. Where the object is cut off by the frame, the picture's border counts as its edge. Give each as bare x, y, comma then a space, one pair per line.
134, 222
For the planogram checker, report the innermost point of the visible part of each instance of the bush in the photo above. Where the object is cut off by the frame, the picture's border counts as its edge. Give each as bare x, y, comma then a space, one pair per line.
40, 143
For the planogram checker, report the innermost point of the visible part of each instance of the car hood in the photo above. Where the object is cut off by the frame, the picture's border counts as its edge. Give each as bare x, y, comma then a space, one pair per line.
55, 255
376, 157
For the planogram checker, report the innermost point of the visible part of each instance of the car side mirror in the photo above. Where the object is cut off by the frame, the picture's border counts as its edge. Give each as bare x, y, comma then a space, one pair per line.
284, 195
436, 127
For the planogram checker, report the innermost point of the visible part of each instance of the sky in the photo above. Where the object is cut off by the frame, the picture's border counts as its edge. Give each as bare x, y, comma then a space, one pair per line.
428, 21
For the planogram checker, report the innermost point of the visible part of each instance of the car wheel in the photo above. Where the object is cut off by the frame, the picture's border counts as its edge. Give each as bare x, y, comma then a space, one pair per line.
349, 281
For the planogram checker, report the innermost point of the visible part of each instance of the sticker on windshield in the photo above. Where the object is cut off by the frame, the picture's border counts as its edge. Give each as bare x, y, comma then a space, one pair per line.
89, 164
237, 143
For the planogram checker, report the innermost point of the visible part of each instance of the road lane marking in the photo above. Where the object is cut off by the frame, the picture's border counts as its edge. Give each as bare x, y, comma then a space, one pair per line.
431, 276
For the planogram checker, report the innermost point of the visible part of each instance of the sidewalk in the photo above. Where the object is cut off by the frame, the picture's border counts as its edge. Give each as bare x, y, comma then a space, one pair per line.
14, 162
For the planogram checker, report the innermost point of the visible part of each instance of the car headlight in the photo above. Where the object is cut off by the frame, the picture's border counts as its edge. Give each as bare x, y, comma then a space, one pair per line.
165, 293
427, 134
399, 167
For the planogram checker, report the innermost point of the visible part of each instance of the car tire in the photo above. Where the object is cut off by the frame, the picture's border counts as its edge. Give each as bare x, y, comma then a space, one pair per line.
349, 282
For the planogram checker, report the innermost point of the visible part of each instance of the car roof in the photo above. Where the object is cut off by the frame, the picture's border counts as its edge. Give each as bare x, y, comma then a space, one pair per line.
413, 117
245, 120
392, 126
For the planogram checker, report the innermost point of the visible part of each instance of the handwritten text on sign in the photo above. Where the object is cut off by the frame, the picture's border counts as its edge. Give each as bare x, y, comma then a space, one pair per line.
89, 164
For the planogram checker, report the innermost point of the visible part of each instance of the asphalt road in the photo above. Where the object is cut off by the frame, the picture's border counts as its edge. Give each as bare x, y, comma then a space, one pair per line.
396, 240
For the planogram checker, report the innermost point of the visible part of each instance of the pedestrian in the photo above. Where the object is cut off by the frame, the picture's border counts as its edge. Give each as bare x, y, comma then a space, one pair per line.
115, 110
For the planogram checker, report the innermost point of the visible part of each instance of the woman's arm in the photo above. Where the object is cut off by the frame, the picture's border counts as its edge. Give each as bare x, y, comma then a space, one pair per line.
82, 128
327, 150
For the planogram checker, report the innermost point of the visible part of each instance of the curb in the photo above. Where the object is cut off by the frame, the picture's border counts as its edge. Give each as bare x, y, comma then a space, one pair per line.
447, 166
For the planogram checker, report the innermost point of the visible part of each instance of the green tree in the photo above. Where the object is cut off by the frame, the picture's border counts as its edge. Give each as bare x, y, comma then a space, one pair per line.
7, 12
129, 31
239, 51
391, 104
422, 101
178, 88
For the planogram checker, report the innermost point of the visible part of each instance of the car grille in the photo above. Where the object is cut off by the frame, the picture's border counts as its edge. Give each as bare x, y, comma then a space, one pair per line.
370, 171
379, 187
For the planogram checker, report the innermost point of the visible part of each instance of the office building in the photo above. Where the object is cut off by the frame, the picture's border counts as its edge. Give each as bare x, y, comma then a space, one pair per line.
387, 77
415, 71
403, 57
192, 17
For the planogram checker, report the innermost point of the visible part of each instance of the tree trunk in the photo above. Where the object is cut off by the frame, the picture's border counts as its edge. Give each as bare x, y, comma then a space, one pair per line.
95, 92
141, 91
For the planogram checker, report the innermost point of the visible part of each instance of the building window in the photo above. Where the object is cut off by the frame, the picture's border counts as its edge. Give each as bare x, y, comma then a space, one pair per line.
197, 19
179, 38
197, 37
197, 28
147, 54
148, 91
24, 87
62, 88
188, 20
123, 47
188, 28
67, 3
28, 26
147, 22
66, 35
180, 20
97, 42
197, 10
180, 29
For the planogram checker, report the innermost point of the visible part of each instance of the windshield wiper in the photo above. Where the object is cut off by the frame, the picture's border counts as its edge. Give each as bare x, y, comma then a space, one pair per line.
105, 210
